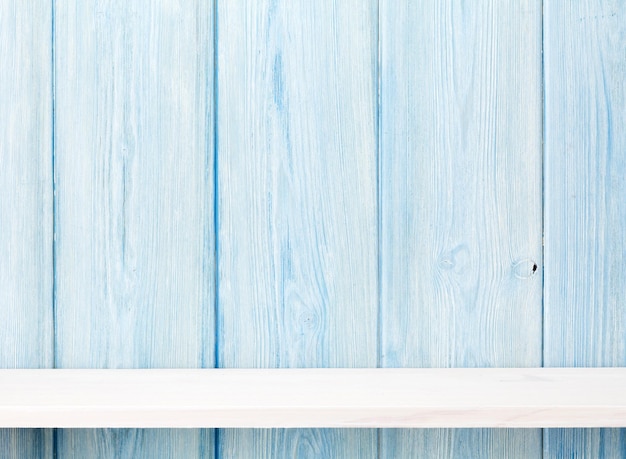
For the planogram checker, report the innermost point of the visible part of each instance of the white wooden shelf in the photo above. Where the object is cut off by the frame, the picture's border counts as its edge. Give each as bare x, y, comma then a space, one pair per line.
538, 397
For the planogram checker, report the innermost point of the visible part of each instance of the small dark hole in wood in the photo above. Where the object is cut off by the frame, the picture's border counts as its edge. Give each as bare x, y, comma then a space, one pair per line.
535, 267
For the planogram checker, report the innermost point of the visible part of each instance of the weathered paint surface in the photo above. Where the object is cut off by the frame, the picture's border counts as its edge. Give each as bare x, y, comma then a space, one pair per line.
364, 190
26, 328
585, 183
134, 201
461, 202
297, 255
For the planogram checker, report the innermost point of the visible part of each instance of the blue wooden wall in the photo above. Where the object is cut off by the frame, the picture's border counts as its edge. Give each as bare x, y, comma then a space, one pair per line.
354, 183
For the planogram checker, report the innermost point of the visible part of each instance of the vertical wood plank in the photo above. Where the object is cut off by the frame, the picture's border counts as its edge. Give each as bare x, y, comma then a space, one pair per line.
461, 220
297, 201
26, 203
134, 174
585, 199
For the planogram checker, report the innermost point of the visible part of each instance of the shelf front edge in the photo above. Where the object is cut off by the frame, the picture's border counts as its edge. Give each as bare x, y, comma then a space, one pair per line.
515, 397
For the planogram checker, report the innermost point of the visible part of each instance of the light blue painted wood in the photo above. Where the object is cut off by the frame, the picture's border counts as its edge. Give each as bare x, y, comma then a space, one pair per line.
585, 223
460, 214
298, 443
25, 203
134, 201
461, 159
297, 253
26, 443
135, 443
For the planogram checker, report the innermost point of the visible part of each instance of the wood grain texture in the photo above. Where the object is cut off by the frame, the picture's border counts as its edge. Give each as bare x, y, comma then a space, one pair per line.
314, 397
26, 202
461, 201
585, 199
26, 443
297, 201
134, 175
